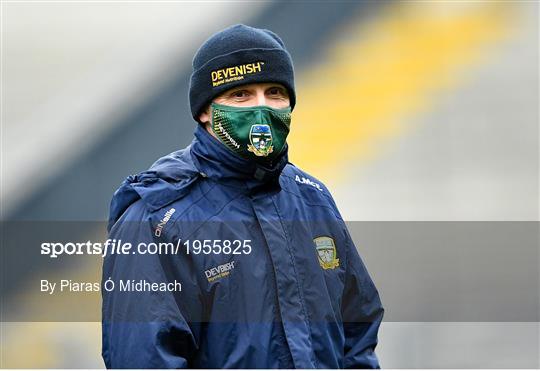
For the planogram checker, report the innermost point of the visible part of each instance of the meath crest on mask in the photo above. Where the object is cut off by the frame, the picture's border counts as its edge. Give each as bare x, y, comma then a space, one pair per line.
326, 252
260, 137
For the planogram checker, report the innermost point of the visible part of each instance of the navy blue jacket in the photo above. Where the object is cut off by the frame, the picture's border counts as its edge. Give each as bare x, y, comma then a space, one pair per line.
290, 292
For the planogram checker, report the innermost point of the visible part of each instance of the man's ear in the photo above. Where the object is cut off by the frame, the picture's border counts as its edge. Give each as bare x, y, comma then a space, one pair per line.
204, 116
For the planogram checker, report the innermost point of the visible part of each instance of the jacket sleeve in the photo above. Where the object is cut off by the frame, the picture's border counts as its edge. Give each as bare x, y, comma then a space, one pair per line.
362, 313
142, 329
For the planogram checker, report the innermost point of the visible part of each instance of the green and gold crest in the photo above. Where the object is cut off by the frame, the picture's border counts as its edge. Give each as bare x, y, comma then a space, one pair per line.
261, 139
326, 252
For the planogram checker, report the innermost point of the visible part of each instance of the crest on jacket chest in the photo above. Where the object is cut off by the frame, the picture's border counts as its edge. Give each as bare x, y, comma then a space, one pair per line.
326, 252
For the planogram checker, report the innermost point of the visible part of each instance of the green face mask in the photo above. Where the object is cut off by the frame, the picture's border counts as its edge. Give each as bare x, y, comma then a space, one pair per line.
257, 133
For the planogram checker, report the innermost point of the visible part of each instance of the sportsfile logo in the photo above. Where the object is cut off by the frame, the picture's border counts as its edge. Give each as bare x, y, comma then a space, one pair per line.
219, 271
164, 221
235, 73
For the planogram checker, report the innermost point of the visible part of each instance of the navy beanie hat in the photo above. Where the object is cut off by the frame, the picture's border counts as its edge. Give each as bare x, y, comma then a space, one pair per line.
235, 56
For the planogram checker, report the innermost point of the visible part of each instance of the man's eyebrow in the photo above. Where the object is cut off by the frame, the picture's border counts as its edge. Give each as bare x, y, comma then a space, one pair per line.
234, 90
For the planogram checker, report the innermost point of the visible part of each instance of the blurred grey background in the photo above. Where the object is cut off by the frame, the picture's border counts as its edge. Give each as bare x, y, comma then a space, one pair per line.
421, 117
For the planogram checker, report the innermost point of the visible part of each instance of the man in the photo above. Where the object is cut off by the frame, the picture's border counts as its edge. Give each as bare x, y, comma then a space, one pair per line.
269, 275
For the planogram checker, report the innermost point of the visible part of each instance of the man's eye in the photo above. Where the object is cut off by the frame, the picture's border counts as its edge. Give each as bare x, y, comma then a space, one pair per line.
276, 91
239, 94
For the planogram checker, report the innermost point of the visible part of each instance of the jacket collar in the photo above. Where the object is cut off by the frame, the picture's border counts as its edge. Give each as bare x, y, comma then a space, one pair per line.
216, 162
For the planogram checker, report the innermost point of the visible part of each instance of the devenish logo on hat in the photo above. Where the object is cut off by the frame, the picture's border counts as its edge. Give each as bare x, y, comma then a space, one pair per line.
235, 73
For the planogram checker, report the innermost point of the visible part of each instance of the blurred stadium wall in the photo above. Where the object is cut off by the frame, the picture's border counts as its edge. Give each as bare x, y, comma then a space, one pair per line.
408, 111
